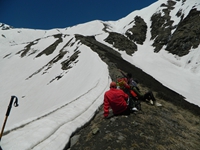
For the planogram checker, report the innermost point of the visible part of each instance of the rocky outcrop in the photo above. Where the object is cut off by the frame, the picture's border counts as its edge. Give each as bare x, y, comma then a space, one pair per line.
186, 36
161, 26
138, 32
49, 50
5, 26
154, 128
180, 38
121, 42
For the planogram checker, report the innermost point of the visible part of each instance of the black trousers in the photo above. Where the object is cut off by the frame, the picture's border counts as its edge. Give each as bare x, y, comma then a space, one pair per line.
125, 112
149, 96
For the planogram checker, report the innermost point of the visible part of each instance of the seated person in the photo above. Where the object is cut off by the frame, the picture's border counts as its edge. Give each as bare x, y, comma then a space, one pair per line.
148, 96
116, 99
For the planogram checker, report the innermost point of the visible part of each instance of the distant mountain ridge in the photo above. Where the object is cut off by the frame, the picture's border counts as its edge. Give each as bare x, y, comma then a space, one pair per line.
165, 32
5, 26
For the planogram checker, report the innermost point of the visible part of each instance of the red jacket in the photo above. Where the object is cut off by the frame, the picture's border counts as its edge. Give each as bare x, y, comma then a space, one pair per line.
116, 99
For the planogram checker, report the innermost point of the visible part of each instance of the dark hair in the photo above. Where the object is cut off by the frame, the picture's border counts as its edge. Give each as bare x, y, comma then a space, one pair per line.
136, 80
129, 75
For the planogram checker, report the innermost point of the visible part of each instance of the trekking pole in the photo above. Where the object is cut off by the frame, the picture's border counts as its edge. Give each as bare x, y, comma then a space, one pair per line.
8, 112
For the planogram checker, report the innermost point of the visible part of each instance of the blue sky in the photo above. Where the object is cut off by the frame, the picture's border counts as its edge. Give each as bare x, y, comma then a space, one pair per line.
48, 14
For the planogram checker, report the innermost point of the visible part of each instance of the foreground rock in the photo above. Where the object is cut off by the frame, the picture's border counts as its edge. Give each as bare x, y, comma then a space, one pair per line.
169, 126
153, 128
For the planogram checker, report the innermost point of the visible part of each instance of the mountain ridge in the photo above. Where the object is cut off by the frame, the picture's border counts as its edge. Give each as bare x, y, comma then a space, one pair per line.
165, 31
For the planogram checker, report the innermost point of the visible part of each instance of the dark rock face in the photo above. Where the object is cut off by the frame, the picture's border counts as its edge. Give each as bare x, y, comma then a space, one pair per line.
49, 50
5, 27
120, 42
186, 36
138, 32
161, 26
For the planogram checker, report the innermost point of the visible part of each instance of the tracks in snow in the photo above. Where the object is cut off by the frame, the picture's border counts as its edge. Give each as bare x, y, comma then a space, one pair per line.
59, 123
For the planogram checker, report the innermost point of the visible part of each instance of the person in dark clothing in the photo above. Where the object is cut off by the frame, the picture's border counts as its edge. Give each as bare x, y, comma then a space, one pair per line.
124, 84
148, 96
128, 76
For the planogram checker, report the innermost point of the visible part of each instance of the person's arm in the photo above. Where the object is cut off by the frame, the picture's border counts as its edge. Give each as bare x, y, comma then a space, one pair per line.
137, 92
126, 96
123, 73
106, 106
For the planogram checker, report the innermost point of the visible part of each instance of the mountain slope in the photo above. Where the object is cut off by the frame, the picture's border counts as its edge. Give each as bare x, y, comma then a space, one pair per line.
50, 70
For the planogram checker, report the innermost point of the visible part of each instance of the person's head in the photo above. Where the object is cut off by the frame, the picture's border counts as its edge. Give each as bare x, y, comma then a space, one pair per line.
113, 85
134, 83
129, 75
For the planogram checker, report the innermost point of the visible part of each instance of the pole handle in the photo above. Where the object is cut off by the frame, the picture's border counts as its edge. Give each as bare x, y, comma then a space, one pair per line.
10, 104
8, 112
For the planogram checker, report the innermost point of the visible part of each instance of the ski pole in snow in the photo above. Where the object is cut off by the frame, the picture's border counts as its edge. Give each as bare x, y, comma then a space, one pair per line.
8, 112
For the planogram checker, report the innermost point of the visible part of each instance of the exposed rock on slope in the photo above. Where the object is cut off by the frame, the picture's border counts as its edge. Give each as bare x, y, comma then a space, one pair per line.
5, 26
155, 128
186, 36
120, 42
178, 38
138, 32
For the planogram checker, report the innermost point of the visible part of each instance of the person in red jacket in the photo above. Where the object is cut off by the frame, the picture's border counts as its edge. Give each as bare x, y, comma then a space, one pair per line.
115, 99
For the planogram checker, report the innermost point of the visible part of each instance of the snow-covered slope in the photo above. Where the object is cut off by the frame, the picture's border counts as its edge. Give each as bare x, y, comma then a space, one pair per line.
60, 82
50, 99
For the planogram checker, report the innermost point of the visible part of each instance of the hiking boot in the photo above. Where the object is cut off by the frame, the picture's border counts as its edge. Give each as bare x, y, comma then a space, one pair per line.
134, 109
151, 102
157, 104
